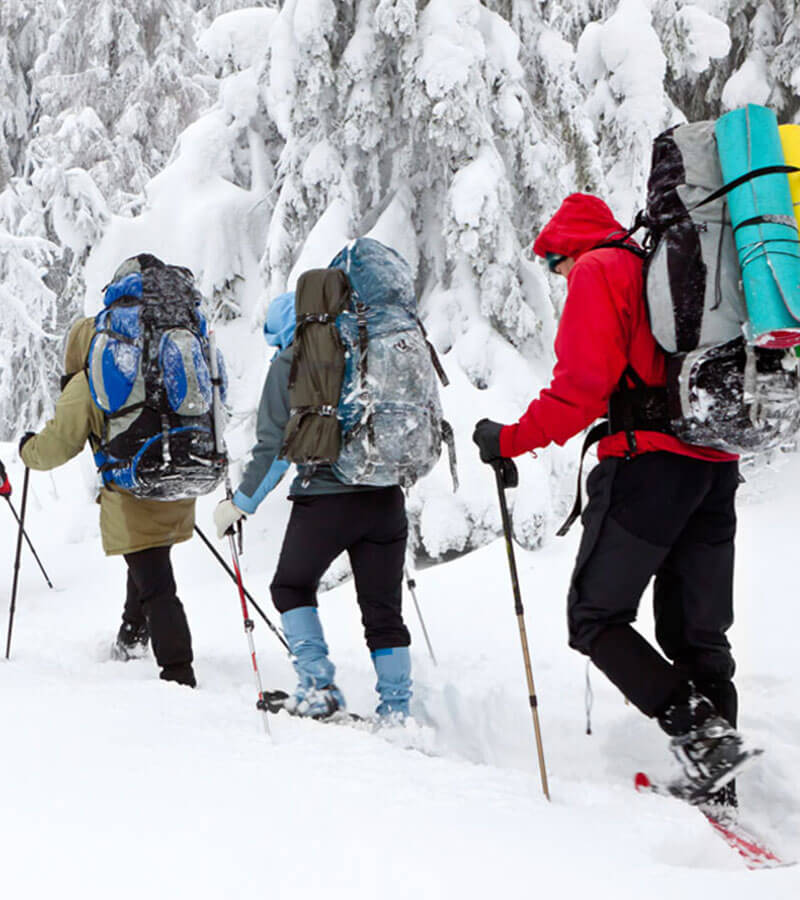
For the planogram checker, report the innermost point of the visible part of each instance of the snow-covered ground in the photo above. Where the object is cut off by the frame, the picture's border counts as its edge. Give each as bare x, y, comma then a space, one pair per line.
115, 784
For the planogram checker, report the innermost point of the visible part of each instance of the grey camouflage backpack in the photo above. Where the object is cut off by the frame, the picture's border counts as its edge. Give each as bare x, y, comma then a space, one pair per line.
363, 386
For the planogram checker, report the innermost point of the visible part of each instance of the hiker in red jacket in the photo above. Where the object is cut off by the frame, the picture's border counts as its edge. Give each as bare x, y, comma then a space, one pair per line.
656, 506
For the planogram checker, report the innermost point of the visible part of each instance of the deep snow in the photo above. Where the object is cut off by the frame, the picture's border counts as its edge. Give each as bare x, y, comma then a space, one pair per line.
115, 784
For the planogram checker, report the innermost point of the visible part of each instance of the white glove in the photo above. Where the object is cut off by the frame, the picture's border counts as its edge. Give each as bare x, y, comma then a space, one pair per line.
226, 515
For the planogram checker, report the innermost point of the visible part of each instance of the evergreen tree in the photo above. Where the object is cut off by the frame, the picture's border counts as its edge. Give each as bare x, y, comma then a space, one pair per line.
450, 129
95, 97
24, 26
30, 325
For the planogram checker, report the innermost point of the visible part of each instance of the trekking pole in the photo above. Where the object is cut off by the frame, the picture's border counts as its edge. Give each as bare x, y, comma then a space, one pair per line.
16, 562
28, 541
507, 476
220, 447
411, 584
248, 624
275, 630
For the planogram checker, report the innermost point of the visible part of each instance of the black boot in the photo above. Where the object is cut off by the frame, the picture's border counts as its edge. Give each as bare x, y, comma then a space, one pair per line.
181, 673
132, 642
709, 748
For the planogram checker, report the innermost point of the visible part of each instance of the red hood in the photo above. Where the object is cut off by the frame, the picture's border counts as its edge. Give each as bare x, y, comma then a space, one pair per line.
580, 223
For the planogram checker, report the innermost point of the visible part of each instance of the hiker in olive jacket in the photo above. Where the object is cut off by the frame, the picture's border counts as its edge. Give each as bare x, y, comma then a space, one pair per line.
140, 530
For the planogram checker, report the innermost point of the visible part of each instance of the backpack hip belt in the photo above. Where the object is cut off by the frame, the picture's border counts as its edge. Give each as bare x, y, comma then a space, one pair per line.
638, 408
630, 409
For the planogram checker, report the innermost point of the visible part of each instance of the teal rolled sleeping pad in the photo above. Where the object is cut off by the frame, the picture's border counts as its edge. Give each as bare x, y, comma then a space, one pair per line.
765, 228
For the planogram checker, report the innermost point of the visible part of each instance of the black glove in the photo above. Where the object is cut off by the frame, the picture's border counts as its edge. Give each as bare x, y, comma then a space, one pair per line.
487, 437
25, 438
5, 486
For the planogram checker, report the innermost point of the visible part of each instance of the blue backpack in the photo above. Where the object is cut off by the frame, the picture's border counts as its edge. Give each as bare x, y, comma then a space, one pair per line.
149, 373
363, 386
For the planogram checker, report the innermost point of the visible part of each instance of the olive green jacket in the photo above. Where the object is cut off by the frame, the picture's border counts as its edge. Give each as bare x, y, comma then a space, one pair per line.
127, 523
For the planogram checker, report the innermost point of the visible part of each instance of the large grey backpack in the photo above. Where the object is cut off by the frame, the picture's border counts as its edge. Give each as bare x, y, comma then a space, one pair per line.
363, 386
721, 391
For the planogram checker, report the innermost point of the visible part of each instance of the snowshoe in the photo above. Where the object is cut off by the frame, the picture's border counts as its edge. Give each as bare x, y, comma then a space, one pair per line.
755, 852
306, 702
132, 642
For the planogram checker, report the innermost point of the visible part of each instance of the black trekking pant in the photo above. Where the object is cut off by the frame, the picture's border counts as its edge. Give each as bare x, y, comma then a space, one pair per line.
672, 517
372, 527
152, 597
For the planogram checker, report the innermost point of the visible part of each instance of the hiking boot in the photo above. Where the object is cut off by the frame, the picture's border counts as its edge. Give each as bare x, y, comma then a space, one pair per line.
132, 642
180, 673
710, 750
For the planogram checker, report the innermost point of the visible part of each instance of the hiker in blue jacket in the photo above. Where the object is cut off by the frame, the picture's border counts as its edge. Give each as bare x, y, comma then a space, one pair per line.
328, 517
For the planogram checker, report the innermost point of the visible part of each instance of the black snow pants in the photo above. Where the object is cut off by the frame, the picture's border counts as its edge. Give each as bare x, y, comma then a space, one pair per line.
372, 527
152, 597
672, 517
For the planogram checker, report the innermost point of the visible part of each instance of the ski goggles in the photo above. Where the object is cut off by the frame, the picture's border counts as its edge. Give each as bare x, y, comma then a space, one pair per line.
554, 260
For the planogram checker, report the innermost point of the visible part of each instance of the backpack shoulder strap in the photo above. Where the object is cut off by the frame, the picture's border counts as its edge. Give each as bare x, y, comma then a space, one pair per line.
593, 436
623, 245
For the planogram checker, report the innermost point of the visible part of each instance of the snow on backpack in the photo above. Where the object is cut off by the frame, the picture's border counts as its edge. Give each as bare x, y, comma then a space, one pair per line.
362, 387
722, 391
149, 372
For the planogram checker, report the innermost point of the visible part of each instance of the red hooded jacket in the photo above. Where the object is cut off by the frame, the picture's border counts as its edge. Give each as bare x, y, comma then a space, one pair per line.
603, 329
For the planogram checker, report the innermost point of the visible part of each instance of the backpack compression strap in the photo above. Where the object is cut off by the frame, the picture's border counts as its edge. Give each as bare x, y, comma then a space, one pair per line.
448, 437
768, 219
437, 365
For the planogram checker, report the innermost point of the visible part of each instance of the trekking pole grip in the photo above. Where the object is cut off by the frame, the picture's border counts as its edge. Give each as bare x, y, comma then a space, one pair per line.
506, 471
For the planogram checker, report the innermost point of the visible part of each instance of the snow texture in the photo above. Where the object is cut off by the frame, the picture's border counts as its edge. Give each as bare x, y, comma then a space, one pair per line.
205, 791
250, 143
236, 40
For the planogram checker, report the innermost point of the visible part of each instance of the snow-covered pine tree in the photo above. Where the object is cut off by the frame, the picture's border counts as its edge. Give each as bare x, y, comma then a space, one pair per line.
451, 130
30, 335
100, 92
627, 100
721, 55
24, 26
412, 123
135, 65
